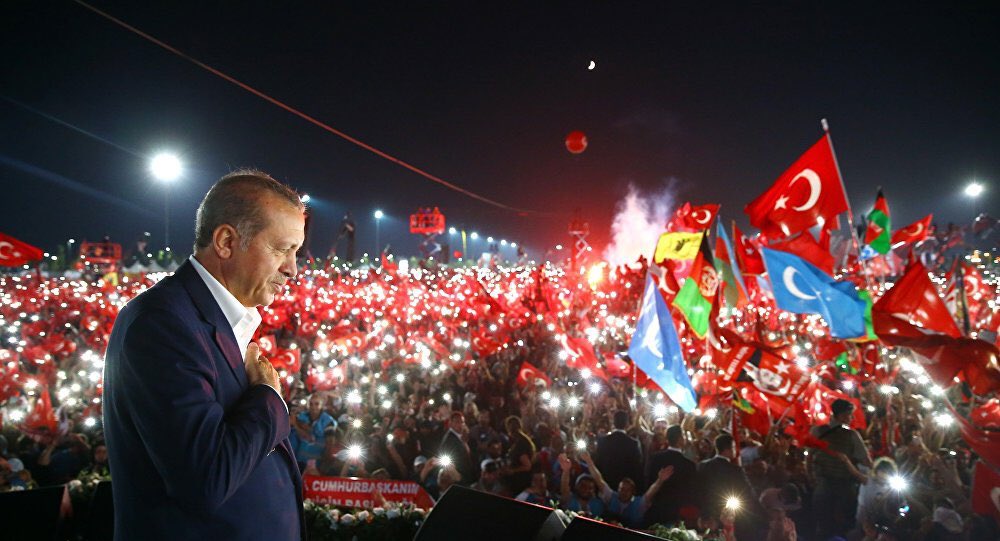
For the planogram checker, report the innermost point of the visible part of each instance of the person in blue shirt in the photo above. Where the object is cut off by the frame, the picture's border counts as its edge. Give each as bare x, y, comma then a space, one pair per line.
307, 437
623, 504
583, 498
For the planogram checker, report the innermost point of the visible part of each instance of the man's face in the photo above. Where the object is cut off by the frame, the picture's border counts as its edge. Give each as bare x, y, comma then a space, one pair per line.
626, 490
457, 423
255, 276
100, 454
315, 405
585, 488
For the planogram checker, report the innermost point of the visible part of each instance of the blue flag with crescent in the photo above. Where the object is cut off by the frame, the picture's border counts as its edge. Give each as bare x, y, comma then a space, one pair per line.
656, 349
802, 288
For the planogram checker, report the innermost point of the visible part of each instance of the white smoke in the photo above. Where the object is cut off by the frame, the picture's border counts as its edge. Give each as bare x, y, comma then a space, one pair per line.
640, 219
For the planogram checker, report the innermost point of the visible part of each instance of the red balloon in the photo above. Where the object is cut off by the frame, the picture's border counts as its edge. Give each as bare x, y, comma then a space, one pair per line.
576, 142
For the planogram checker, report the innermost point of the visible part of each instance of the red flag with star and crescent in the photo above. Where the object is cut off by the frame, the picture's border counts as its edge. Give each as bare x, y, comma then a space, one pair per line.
807, 193
747, 254
14, 253
528, 373
700, 218
915, 232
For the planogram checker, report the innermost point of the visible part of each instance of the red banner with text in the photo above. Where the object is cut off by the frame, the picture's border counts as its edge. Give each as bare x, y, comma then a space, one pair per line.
355, 492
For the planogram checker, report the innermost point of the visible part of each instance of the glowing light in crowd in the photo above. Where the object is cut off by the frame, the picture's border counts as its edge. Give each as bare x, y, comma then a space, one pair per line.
898, 483
379, 214
444, 461
305, 198
943, 420
660, 410
733, 503
581, 445
354, 452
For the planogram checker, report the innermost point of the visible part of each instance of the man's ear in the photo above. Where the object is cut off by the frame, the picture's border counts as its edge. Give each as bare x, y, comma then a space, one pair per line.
225, 241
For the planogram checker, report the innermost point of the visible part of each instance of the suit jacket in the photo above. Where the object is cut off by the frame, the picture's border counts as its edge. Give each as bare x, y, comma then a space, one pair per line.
719, 478
677, 492
453, 446
195, 452
618, 456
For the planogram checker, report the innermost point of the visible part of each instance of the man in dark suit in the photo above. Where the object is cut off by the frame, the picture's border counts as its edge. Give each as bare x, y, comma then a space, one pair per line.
618, 455
678, 493
455, 446
721, 479
197, 430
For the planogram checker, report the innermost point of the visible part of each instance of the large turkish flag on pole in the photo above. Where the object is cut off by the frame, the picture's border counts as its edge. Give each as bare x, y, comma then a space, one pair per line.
807, 193
14, 253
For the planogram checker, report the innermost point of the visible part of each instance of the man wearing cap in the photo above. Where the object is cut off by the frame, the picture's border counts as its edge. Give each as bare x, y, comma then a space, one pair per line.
835, 498
489, 477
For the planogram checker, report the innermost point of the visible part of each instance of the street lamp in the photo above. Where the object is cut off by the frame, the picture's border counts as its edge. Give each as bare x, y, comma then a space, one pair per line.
166, 168
378, 220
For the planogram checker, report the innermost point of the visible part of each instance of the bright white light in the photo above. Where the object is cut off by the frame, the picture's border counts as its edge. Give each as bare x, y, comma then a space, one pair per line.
581, 445
943, 420
474, 235
489, 239
356, 423
898, 483
848, 385
89, 422
973, 189
659, 410
165, 167
452, 231
595, 388
354, 452
379, 214
733, 503
305, 198
503, 242
444, 461
513, 245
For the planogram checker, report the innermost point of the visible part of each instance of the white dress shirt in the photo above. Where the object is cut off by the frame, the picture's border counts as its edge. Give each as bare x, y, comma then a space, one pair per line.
244, 321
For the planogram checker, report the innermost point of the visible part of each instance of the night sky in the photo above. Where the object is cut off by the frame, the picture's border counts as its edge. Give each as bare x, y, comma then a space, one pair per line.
713, 103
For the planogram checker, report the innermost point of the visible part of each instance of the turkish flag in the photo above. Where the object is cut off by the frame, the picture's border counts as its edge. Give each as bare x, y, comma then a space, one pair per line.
528, 374
915, 232
806, 247
618, 367
579, 352
915, 299
288, 360
776, 375
944, 356
807, 193
14, 253
729, 352
267, 344
747, 254
41, 424
699, 218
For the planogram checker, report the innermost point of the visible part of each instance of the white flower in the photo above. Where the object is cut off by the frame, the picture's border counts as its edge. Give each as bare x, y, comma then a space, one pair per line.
363, 516
392, 513
347, 519
419, 512
378, 511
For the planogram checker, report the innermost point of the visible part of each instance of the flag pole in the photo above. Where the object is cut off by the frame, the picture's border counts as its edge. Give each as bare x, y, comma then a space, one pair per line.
843, 187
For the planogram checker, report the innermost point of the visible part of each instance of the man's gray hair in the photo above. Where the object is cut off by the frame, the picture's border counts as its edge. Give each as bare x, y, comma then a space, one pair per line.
235, 200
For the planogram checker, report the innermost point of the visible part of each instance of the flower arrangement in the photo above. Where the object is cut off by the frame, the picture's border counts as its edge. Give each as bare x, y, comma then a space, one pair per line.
394, 521
675, 533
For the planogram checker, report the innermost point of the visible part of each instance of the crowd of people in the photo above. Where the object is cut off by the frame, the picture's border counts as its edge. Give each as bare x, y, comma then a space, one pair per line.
512, 381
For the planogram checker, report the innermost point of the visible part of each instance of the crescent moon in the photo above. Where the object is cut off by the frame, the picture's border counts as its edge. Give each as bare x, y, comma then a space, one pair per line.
788, 278
708, 216
815, 187
919, 229
4, 245
592, 65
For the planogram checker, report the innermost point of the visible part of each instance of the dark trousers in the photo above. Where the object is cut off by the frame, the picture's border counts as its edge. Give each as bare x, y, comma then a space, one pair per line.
835, 502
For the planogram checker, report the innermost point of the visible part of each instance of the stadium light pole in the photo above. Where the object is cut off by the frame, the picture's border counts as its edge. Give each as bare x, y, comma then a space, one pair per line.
378, 220
166, 168
973, 190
